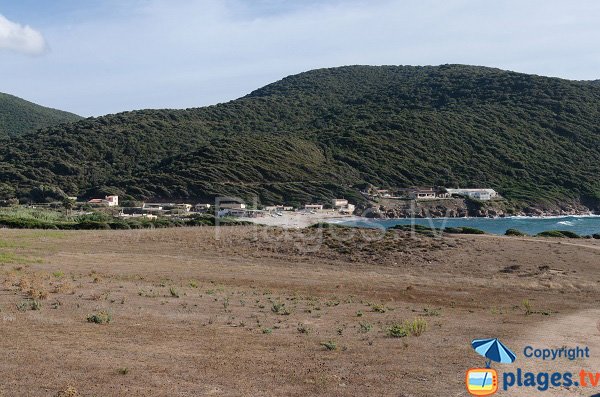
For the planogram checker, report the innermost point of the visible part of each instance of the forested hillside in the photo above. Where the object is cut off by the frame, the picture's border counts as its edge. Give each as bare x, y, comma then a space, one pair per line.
18, 116
318, 134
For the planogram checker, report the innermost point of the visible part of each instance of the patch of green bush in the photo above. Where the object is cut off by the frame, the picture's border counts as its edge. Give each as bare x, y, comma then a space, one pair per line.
463, 230
514, 232
558, 234
102, 317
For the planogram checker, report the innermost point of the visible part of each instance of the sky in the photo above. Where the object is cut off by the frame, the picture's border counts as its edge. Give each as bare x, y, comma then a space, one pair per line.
107, 56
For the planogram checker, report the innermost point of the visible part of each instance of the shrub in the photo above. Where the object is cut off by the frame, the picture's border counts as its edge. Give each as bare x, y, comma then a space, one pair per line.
596, 236
550, 233
92, 225
329, 345
514, 232
570, 234
174, 293
397, 331
102, 317
417, 326
527, 308
279, 308
365, 327
419, 229
37, 291
463, 230
36, 305
119, 225
68, 392
29, 305
432, 312
378, 308
472, 230
558, 234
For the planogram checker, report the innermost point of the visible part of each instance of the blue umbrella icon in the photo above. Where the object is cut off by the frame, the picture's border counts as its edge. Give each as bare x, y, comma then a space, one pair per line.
493, 350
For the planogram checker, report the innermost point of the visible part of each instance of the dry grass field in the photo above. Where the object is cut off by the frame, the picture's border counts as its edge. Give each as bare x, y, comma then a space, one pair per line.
246, 311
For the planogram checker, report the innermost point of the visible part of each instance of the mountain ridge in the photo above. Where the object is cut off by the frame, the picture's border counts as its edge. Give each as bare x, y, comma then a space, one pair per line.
322, 133
19, 116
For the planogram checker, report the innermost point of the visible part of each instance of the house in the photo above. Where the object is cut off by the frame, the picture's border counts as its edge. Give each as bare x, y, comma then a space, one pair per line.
151, 217
109, 201
278, 208
113, 201
422, 194
202, 207
232, 206
339, 203
343, 206
242, 213
478, 194
348, 209
313, 207
184, 207
155, 207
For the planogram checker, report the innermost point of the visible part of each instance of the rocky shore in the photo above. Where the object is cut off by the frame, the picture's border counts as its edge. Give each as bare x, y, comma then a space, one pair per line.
459, 208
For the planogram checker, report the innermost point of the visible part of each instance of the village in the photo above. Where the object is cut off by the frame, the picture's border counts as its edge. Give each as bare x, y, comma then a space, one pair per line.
238, 209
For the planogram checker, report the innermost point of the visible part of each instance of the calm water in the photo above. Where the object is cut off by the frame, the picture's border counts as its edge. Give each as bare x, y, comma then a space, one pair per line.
582, 225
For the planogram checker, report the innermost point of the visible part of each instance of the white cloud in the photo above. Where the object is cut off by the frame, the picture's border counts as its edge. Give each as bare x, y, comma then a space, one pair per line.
20, 38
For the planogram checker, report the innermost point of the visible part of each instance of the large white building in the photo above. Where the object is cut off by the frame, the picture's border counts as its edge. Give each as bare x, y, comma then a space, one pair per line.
479, 194
232, 206
313, 207
343, 206
109, 201
339, 203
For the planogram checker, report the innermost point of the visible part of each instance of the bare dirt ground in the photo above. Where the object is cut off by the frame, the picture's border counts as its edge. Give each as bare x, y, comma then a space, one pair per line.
245, 311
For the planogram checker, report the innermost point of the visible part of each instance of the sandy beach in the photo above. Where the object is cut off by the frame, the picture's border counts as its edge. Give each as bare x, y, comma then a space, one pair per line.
299, 219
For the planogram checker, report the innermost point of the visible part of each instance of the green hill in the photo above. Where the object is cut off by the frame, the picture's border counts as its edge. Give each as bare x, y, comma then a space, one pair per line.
318, 134
18, 116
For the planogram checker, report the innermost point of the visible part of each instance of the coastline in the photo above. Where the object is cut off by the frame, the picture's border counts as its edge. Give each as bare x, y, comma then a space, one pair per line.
583, 225
300, 220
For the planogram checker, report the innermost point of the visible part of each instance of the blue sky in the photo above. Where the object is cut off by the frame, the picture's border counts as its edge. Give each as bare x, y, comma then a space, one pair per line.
99, 57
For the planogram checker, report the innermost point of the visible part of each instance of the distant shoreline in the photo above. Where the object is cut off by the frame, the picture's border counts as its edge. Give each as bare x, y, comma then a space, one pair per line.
297, 220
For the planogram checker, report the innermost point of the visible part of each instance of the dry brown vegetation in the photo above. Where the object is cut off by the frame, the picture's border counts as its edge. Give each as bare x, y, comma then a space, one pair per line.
263, 311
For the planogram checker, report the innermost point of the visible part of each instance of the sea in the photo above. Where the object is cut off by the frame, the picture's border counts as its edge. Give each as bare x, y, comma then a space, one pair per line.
582, 225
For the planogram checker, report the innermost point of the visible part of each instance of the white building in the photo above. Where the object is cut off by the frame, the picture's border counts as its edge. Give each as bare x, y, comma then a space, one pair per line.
109, 201
184, 207
241, 213
422, 194
313, 207
202, 207
156, 206
232, 206
348, 209
278, 208
339, 203
478, 194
